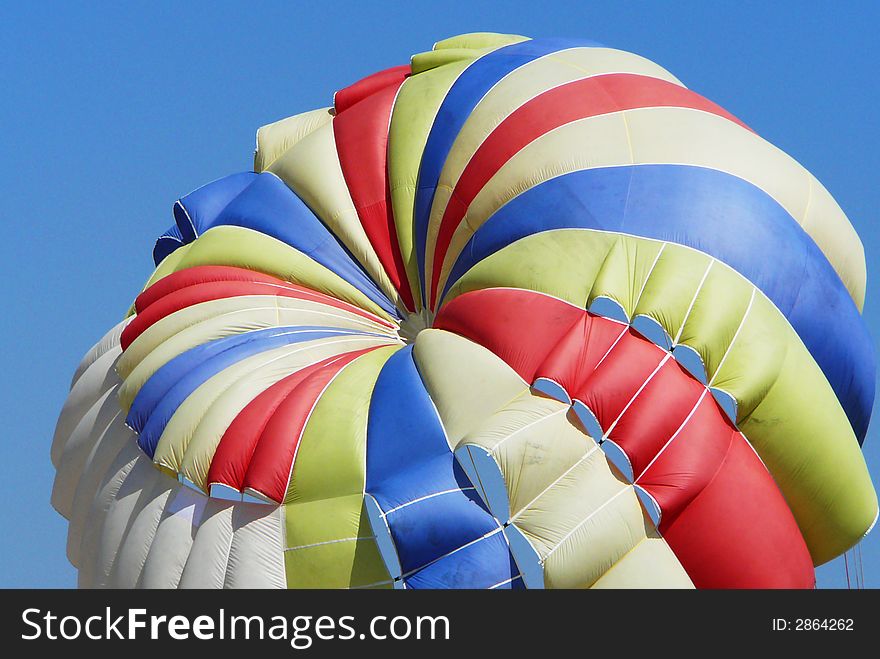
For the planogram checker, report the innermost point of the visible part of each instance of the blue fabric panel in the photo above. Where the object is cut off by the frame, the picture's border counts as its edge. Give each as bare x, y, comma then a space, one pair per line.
483, 564
430, 528
430, 505
462, 98
195, 212
167, 243
171, 384
720, 215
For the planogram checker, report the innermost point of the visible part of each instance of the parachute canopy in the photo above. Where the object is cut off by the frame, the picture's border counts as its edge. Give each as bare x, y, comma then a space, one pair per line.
520, 313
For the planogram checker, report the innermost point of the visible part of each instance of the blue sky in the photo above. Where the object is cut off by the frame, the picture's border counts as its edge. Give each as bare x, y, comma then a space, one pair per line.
110, 113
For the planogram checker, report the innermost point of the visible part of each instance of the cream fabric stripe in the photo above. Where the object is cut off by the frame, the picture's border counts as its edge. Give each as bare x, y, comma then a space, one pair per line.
274, 140
311, 168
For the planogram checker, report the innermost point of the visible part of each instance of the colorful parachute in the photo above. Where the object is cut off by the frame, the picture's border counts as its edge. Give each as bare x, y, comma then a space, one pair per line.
524, 312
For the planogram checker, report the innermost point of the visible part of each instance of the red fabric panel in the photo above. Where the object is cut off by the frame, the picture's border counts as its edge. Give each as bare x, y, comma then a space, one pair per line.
609, 389
686, 461
521, 327
361, 134
259, 445
578, 352
200, 275
588, 97
353, 94
236, 447
656, 413
739, 532
270, 467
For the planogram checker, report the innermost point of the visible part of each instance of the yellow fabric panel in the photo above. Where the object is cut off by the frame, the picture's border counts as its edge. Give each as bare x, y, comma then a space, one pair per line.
418, 100
466, 382
804, 438
413, 115
331, 511
753, 358
788, 412
650, 564
312, 170
208, 401
336, 433
476, 40
462, 48
323, 559
560, 263
717, 313
670, 292
276, 138
676, 136
625, 271
433, 59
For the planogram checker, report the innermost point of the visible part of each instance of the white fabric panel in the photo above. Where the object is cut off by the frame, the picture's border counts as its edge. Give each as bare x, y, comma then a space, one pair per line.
141, 525
820, 222
128, 500
108, 342
96, 553
94, 381
133, 525
256, 558
173, 539
209, 555
533, 443
583, 523
78, 448
107, 450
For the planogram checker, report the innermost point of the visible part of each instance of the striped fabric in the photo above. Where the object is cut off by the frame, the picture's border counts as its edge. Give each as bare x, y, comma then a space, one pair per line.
523, 313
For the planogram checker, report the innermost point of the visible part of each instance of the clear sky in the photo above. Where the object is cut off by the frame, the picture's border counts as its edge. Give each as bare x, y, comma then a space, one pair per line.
108, 114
